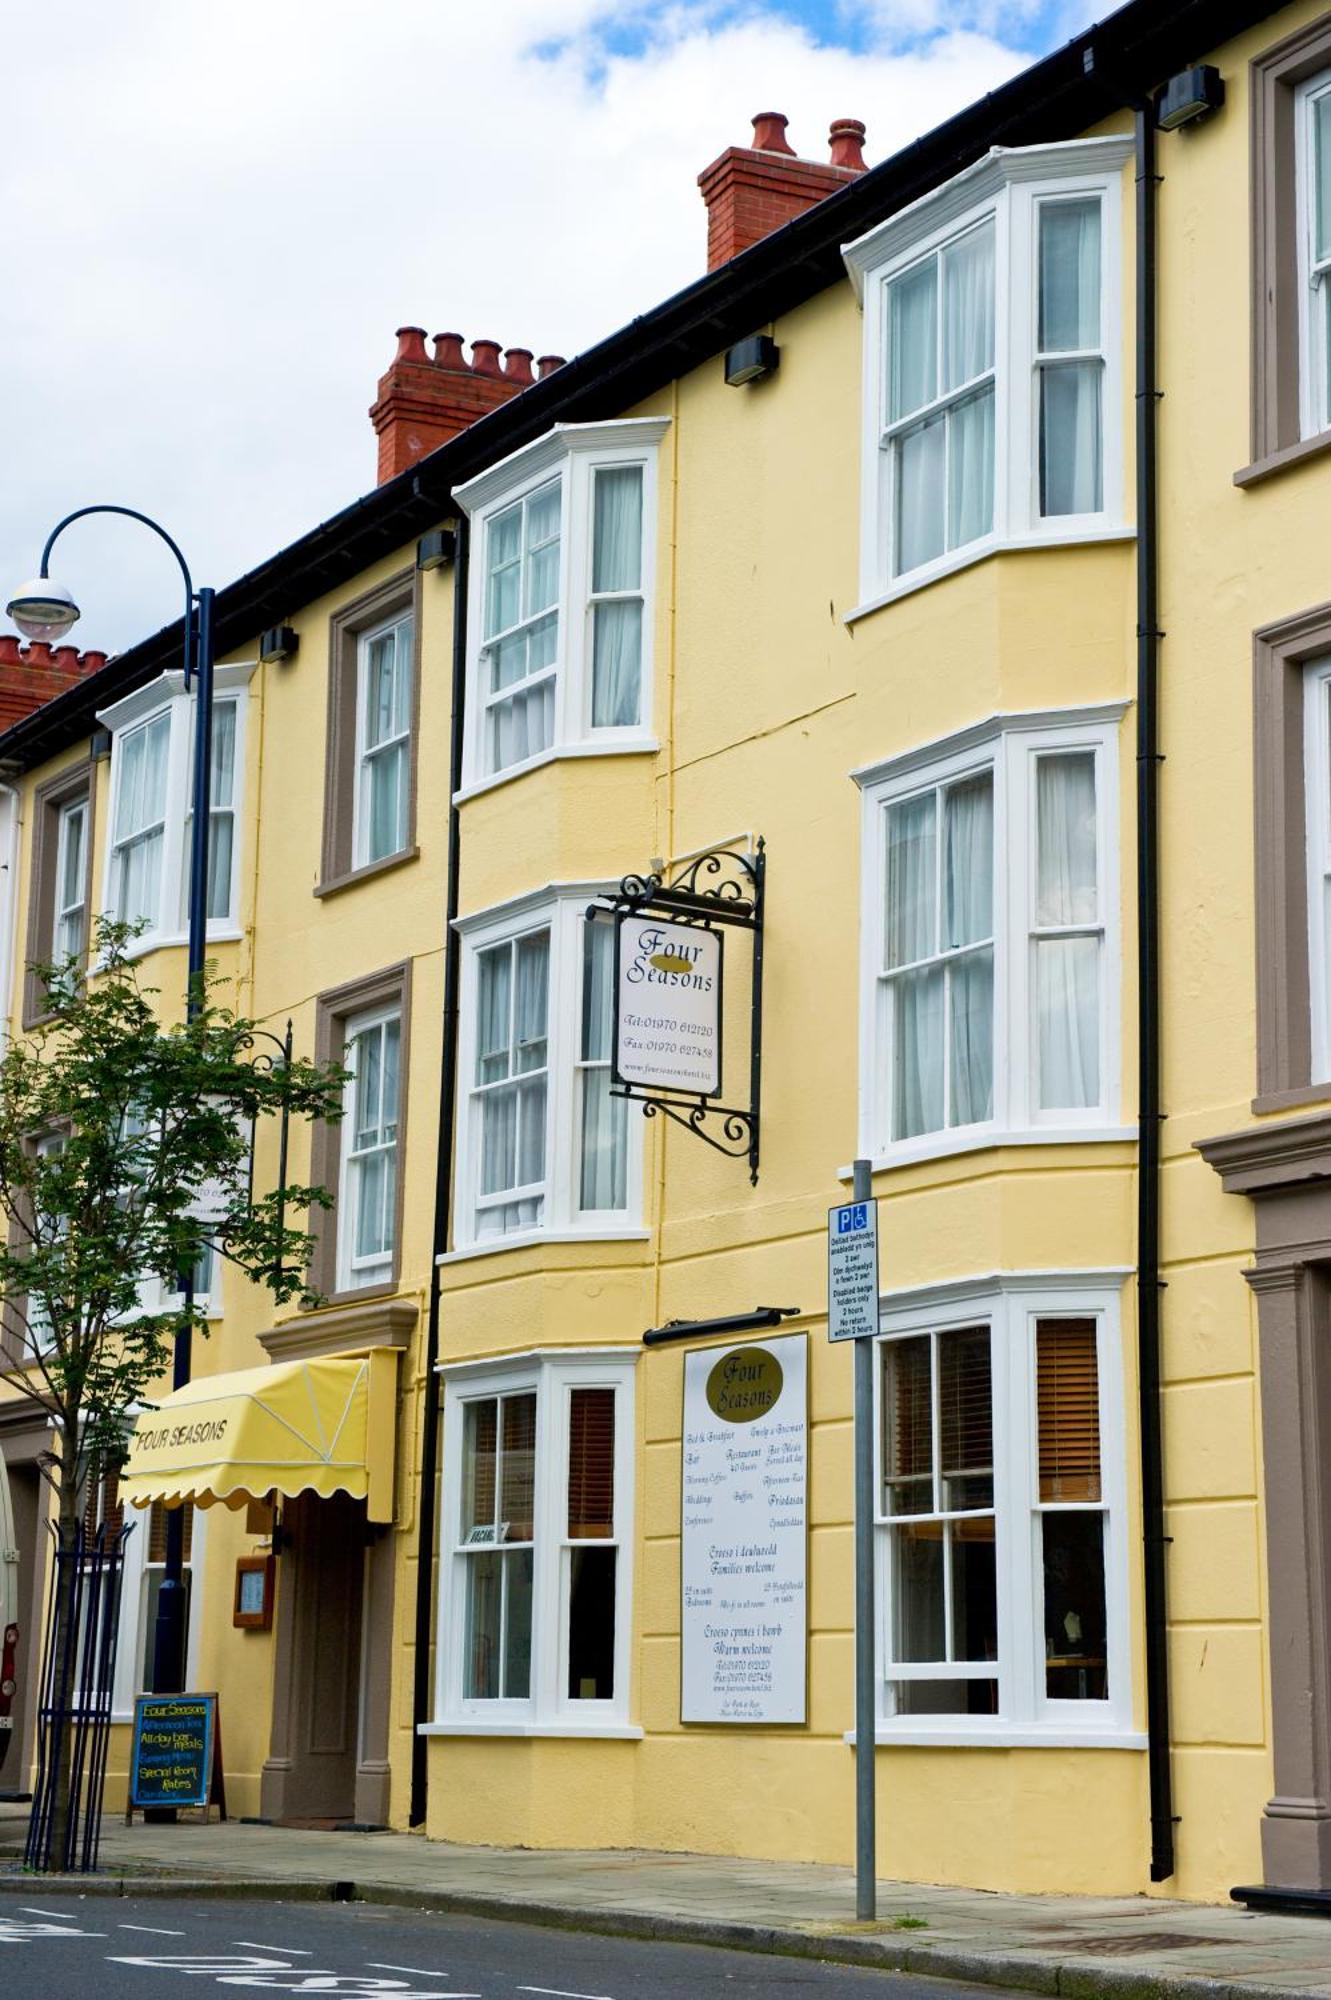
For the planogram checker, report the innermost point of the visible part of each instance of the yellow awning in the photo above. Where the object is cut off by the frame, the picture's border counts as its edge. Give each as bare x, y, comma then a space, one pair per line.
323, 1426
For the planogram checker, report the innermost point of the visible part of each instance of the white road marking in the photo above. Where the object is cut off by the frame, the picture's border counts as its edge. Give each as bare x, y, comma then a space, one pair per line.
65, 1916
425, 1971
158, 1930
562, 1993
288, 1950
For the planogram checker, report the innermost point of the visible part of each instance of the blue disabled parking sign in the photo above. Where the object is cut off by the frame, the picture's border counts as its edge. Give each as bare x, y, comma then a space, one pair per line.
852, 1270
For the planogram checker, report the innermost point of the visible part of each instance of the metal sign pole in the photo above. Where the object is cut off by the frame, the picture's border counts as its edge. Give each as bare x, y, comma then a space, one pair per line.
865, 1705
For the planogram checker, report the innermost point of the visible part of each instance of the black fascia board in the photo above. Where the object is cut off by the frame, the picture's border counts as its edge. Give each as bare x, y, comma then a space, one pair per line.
1113, 64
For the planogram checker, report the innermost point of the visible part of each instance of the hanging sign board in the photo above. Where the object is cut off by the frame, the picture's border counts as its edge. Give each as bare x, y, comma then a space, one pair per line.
852, 1270
176, 1752
668, 1005
743, 1542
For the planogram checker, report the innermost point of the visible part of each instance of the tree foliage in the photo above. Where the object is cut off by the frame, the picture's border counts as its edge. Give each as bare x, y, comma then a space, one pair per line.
113, 1127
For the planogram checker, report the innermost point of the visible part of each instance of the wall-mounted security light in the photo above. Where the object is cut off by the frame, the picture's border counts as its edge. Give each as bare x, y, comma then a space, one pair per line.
99, 743
752, 360
1193, 93
437, 548
280, 642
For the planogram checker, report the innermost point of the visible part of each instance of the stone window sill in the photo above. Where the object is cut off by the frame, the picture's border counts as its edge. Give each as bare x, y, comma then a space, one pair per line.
355, 876
1281, 461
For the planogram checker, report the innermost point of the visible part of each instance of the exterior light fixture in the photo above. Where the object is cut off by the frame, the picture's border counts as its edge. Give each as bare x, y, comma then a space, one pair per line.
42, 609
436, 548
279, 642
1192, 94
752, 360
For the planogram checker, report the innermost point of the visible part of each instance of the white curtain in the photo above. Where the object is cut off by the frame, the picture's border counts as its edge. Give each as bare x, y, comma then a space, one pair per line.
503, 583
970, 469
920, 476
1067, 970
1071, 473
542, 551
968, 308
968, 860
912, 340
617, 623
1322, 177
604, 1174
1071, 457
971, 1023
1065, 840
911, 890
1069, 277
917, 1065
523, 726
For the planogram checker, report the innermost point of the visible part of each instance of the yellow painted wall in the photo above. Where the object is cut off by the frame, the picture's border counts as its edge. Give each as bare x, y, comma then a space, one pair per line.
765, 700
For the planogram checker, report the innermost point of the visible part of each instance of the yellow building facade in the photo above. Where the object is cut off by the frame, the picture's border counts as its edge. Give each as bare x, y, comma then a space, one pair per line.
890, 607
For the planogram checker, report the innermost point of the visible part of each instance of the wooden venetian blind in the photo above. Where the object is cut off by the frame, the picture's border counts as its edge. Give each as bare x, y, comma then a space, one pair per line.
591, 1465
908, 1393
966, 1401
1068, 1398
517, 1497
157, 1531
103, 1507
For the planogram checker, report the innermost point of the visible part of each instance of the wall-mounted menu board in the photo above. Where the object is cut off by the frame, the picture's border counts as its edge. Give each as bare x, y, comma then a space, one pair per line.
744, 1532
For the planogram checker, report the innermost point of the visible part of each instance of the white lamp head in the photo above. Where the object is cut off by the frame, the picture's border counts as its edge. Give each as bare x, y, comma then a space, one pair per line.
42, 609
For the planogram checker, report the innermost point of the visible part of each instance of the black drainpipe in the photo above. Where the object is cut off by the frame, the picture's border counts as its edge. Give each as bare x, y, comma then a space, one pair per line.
1148, 1018
421, 1703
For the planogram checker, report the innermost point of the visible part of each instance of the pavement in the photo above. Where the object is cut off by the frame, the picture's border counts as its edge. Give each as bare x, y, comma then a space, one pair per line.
1081, 1947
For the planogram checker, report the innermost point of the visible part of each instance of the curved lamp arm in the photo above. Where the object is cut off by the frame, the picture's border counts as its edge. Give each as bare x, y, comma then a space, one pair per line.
133, 514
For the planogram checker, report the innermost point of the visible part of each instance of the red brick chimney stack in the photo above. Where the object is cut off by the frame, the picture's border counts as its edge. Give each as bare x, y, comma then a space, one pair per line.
752, 190
36, 672
423, 402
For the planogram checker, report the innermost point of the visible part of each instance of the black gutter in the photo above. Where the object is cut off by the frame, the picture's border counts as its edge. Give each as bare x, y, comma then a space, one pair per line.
422, 1691
1148, 1017
1059, 97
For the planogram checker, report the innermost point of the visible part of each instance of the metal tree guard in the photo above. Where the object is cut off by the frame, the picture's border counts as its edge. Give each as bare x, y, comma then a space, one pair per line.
78, 1678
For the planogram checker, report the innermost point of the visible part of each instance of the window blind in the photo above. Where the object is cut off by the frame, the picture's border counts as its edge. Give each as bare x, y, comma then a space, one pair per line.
591, 1465
1068, 1398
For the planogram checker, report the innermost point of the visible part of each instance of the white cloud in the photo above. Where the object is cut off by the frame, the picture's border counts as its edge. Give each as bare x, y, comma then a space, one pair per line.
216, 217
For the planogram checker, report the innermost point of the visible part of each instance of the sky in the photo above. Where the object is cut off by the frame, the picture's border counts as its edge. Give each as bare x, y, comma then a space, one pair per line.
216, 216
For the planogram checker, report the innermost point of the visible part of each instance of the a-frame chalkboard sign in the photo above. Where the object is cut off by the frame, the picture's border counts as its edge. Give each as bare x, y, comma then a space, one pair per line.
176, 1754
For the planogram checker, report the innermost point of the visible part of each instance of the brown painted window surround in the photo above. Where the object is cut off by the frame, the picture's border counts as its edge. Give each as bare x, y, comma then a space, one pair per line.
1281, 654
389, 988
49, 801
1274, 78
400, 594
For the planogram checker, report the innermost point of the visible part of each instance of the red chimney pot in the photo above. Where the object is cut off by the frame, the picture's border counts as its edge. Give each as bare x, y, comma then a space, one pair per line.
485, 357
411, 344
548, 364
847, 142
448, 352
769, 133
517, 365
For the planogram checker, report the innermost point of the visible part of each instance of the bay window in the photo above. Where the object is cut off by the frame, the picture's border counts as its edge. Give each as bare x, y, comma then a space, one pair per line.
544, 1146
561, 591
148, 851
991, 363
990, 936
1000, 1496
536, 1530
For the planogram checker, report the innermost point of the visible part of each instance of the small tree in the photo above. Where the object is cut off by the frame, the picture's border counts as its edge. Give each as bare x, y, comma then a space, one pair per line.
111, 1125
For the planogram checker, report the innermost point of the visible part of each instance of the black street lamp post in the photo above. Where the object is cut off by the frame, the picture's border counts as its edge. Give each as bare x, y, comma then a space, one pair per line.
43, 609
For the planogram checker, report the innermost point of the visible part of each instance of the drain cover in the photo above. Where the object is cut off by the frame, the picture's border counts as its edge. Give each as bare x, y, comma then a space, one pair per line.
1122, 1947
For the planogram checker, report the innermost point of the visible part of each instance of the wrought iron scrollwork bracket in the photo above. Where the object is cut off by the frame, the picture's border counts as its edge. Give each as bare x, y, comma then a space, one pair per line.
723, 886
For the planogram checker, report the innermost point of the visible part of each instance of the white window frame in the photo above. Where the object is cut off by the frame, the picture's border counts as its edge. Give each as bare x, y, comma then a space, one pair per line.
572, 454
1010, 745
561, 908
400, 621
356, 1274
1008, 185
1012, 1303
1317, 794
167, 695
1313, 277
549, 1710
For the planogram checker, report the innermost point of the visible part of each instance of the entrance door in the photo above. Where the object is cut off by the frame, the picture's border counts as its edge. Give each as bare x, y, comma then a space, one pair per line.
320, 1604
